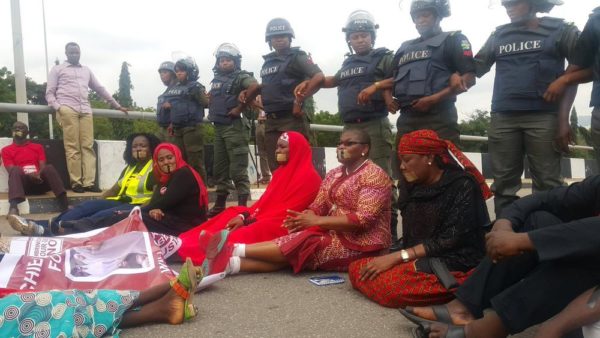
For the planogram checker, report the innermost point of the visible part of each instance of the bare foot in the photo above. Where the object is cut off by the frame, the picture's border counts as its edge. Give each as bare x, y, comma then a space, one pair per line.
458, 312
174, 306
438, 330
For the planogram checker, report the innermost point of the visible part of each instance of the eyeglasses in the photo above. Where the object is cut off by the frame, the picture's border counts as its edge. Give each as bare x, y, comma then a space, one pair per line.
349, 143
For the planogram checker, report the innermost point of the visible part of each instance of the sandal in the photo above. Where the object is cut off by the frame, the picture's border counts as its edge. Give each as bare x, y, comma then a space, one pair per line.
24, 226
213, 244
185, 286
454, 331
442, 315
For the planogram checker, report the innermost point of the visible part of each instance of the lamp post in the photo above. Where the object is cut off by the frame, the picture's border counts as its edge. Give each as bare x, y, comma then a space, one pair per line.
50, 129
21, 90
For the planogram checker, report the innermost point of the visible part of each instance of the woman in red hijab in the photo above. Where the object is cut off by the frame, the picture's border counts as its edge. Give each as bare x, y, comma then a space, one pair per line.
294, 186
179, 201
442, 201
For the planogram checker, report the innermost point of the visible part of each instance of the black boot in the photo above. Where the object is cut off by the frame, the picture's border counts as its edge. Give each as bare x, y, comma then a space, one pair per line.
218, 207
63, 202
242, 200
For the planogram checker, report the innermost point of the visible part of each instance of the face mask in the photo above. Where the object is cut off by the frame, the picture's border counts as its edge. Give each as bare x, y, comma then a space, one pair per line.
18, 134
281, 158
140, 154
409, 176
342, 155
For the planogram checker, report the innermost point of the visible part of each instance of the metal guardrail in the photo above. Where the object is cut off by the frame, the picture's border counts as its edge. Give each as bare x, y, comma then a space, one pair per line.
38, 109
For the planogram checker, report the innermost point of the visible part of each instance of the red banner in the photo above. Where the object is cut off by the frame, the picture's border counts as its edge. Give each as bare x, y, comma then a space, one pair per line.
123, 256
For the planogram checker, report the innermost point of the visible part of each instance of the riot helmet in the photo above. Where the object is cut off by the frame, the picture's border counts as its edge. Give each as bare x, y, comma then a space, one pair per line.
538, 6
167, 65
360, 21
278, 26
229, 50
440, 7
189, 66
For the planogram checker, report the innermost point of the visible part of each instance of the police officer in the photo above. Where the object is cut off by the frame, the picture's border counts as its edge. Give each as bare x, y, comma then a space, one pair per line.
232, 128
422, 69
282, 71
166, 70
529, 54
363, 66
185, 102
584, 67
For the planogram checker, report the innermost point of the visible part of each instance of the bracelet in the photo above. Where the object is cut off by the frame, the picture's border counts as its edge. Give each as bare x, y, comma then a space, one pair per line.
376, 84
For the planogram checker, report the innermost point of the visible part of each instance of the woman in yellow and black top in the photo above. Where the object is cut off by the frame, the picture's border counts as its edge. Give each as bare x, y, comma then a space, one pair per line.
134, 187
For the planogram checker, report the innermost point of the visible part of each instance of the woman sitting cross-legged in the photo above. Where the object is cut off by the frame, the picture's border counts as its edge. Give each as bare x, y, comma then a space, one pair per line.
98, 313
294, 186
442, 200
348, 220
134, 187
179, 201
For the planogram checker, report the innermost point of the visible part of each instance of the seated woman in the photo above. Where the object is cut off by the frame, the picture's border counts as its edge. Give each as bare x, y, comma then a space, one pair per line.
294, 186
98, 312
134, 187
348, 220
178, 203
443, 208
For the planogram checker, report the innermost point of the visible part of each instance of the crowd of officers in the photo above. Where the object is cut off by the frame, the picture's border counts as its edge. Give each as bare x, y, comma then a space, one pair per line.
532, 94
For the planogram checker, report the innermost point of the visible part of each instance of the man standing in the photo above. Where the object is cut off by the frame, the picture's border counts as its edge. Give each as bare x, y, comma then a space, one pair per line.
67, 93
283, 70
166, 70
28, 172
529, 54
421, 74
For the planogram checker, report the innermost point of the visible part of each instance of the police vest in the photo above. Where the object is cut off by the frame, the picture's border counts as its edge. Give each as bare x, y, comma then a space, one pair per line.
223, 97
421, 69
527, 61
133, 185
185, 110
163, 116
595, 102
277, 91
357, 73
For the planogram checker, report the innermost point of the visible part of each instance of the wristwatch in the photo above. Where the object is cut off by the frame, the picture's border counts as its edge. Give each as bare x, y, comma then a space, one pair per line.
404, 255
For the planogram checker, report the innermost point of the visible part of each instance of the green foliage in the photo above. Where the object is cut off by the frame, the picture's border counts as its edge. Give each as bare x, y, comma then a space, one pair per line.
478, 124
125, 87
574, 121
326, 138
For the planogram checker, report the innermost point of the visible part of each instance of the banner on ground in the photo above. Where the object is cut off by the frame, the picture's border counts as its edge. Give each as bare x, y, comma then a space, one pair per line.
123, 256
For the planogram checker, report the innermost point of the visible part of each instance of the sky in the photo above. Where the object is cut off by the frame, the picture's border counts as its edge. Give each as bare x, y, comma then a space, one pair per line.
146, 33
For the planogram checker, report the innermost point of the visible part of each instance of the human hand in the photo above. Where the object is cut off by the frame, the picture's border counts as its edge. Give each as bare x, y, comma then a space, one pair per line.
243, 96
166, 105
124, 110
555, 90
564, 137
392, 105
377, 265
35, 177
170, 130
364, 97
502, 224
504, 244
298, 221
457, 84
300, 90
234, 223
235, 113
156, 214
297, 111
423, 104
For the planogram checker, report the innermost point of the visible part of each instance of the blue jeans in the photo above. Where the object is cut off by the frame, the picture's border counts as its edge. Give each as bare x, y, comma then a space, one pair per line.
93, 209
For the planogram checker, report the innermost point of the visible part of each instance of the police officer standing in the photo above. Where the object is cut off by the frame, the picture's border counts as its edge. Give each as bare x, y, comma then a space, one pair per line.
584, 67
529, 54
232, 128
282, 71
420, 80
185, 102
363, 66
166, 70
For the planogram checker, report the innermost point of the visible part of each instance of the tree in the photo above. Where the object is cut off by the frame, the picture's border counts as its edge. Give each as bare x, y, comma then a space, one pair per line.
574, 122
478, 124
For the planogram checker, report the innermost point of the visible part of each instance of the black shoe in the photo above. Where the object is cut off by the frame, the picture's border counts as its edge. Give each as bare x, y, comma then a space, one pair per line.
93, 188
78, 189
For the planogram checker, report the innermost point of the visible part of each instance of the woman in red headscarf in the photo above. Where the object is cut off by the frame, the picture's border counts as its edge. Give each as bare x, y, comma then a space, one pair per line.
442, 201
294, 186
179, 201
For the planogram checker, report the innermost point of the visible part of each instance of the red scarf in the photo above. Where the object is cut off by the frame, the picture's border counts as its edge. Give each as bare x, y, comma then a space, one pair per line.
163, 178
427, 142
295, 185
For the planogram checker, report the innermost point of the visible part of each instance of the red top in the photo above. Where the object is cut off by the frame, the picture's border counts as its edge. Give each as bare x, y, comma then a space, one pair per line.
26, 156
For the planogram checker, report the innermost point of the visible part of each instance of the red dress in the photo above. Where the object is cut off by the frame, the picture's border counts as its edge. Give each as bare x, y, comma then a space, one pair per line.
294, 186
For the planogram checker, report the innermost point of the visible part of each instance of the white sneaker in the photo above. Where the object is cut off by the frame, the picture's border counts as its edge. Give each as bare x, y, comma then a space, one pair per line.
25, 227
